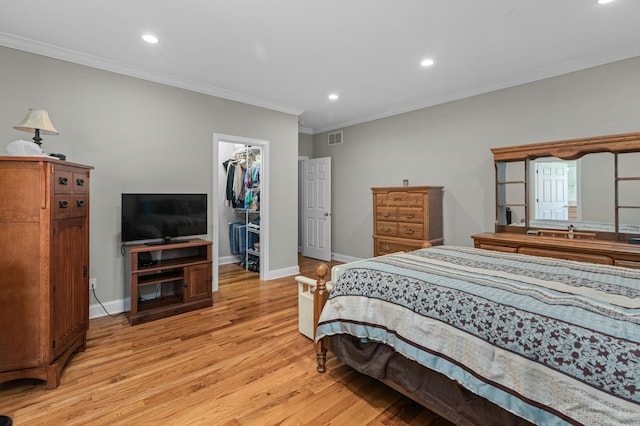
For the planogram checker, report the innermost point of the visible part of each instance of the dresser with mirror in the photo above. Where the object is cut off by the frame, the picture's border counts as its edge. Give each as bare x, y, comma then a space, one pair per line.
575, 199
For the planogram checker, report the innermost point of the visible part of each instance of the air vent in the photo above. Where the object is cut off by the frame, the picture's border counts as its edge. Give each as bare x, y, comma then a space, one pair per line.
335, 138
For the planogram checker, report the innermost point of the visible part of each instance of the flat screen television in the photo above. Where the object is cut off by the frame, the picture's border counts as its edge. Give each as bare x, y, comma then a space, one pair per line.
163, 217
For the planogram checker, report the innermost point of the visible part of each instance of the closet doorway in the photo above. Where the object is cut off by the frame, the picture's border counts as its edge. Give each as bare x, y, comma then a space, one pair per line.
238, 225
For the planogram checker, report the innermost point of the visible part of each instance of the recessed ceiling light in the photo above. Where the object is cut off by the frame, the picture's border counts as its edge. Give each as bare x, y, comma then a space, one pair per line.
333, 97
149, 38
427, 62
604, 1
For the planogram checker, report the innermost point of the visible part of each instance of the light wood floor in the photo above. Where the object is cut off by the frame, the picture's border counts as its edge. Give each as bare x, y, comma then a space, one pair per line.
240, 362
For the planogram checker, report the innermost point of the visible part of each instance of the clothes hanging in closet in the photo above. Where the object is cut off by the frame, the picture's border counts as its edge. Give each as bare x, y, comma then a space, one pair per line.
243, 179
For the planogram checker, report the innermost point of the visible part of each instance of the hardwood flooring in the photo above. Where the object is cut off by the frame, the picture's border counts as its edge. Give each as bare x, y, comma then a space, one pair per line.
240, 362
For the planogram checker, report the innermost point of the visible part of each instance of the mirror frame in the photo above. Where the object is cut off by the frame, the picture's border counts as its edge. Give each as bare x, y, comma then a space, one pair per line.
570, 149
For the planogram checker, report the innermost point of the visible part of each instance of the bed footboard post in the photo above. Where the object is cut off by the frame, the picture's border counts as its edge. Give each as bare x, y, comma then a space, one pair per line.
319, 299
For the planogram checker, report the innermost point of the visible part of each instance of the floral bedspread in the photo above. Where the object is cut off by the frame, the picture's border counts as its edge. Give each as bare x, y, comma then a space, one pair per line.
553, 341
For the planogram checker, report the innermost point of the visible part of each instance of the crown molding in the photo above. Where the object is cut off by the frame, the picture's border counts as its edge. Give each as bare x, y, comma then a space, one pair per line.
615, 55
69, 55
305, 130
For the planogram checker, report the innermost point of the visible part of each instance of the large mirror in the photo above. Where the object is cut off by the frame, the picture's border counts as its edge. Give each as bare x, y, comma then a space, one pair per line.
577, 192
590, 185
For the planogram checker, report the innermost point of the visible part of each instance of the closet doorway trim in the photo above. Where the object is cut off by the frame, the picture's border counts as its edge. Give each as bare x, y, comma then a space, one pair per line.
219, 138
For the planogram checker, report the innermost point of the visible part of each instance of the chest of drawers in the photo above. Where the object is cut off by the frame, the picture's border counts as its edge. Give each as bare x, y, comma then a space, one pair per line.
406, 217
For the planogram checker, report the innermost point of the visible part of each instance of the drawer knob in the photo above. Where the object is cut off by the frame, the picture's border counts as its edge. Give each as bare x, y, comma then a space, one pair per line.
63, 204
410, 231
386, 228
411, 215
80, 182
386, 248
80, 203
63, 180
386, 214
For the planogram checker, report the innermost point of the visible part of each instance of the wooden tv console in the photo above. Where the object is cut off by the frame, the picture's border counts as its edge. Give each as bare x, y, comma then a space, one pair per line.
167, 279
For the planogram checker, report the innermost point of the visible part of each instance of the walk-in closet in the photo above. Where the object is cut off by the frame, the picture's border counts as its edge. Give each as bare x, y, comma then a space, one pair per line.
240, 198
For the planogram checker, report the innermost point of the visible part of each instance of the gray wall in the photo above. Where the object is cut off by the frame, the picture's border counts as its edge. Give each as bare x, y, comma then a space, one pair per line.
449, 145
305, 145
144, 137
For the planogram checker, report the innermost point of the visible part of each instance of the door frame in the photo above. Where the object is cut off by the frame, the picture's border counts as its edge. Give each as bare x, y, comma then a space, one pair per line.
219, 138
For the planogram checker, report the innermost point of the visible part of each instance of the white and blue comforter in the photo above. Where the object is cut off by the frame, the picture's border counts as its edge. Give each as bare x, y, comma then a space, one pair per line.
553, 341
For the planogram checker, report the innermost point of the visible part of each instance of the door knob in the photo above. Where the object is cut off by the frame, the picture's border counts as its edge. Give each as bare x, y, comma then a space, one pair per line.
327, 214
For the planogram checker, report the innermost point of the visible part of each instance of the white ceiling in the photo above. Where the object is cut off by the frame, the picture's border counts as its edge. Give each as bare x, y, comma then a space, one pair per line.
288, 55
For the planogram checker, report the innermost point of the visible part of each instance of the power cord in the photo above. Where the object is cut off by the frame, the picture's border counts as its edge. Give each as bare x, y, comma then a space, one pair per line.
95, 296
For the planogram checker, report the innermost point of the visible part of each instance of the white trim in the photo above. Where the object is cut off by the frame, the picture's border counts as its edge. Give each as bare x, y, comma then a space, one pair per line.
264, 201
114, 307
229, 259
613, 55
284, 272
344, 258
305, 130
69, 55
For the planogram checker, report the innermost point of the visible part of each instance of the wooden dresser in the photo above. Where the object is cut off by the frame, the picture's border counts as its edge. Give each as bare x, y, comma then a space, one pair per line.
406, 217
44, 266
602, 220
582, 250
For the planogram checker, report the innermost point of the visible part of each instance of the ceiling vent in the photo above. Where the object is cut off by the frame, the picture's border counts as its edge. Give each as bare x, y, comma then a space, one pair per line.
335, 138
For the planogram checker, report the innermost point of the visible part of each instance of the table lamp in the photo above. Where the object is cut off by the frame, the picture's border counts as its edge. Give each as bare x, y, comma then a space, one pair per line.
37, 120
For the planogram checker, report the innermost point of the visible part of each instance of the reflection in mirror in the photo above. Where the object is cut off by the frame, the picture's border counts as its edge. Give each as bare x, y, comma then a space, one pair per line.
575, 192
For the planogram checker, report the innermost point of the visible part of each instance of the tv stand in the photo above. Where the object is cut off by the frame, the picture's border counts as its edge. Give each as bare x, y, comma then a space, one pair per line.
178, 279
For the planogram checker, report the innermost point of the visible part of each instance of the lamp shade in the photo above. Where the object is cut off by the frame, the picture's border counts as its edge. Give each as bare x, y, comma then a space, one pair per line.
37, 119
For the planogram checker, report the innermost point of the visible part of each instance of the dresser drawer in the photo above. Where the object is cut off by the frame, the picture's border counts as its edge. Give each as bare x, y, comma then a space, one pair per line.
80, 182
568, 255
63, 181
414, 231
410, 214
416, 199
70, 205
398, 199
505, 249
383, 246
626, 263
386, 213
388, 229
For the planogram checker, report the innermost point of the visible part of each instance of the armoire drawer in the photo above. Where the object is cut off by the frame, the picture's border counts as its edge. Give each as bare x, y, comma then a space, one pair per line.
80, 182
70, 205
63, 181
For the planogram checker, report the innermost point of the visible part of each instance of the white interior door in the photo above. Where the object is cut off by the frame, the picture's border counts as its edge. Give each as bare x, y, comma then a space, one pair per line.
316, 209
552, 191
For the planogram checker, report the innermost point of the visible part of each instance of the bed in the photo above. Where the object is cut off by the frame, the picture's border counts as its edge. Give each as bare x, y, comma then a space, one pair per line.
485, 337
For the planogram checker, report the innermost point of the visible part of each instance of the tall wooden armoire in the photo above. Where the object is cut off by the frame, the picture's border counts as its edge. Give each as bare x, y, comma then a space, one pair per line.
44, 266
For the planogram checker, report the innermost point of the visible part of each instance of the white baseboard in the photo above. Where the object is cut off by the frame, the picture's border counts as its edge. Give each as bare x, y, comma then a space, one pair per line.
225, 260
114, 307
344, 258
291, 271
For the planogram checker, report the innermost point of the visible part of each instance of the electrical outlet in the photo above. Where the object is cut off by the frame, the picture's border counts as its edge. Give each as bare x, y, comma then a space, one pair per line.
93, 283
